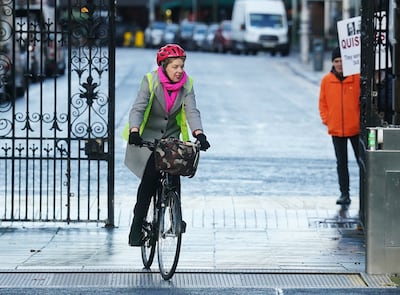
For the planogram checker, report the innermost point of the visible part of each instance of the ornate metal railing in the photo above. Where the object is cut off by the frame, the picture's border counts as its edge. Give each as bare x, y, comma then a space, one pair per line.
57, 129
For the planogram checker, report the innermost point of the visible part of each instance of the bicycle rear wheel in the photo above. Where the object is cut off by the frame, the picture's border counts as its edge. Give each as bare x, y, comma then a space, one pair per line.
150, 235
169, 235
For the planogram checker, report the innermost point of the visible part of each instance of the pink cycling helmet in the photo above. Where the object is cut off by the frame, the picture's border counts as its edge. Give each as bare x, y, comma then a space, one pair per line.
169, 50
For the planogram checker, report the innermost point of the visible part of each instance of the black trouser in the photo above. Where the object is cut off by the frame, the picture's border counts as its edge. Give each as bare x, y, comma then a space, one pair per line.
340, 145
148, 187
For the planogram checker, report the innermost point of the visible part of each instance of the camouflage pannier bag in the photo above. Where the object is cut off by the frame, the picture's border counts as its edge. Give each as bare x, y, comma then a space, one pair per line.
176, 157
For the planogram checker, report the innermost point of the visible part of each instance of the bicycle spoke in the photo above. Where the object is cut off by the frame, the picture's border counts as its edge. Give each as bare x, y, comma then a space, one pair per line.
169, 241
150, 236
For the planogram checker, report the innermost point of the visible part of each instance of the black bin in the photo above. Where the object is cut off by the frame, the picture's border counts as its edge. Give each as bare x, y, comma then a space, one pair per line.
318, 54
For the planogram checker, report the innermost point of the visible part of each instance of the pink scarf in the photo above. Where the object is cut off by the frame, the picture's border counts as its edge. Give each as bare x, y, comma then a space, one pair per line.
170, 89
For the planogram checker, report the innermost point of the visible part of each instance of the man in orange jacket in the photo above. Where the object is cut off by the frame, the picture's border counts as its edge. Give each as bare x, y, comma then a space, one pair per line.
339, 107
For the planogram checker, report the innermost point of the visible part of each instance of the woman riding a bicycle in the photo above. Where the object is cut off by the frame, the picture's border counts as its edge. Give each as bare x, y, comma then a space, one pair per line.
163, 105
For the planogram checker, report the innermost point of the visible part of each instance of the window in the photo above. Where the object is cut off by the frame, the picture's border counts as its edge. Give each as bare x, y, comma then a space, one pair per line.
266, 20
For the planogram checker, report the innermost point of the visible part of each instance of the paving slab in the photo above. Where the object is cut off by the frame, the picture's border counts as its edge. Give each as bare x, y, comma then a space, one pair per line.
274, 233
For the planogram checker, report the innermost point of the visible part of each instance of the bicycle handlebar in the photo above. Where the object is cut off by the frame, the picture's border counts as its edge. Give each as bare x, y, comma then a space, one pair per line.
151, 144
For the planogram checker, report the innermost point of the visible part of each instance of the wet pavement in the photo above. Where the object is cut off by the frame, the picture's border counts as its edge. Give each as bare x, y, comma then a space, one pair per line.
298, 243
254, 242
285, 233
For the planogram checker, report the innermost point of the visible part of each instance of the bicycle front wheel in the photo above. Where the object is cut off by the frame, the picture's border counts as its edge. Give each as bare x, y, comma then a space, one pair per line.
169, 235
150, 235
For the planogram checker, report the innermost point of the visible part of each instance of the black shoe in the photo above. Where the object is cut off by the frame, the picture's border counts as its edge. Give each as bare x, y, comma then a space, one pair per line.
183, 227
136, 234
343, 200
136, 241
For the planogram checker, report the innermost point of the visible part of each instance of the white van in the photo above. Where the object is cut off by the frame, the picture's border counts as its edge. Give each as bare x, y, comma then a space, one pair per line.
260, 25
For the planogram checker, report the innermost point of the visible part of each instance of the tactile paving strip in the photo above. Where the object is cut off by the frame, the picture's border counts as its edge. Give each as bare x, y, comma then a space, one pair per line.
195, 279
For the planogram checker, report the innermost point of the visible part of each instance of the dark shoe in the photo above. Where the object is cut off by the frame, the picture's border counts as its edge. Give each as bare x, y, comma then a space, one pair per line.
136, 241
343, 200
136, 233
183, 227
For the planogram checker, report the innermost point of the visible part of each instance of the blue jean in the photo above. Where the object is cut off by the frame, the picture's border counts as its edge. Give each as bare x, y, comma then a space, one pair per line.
340, 146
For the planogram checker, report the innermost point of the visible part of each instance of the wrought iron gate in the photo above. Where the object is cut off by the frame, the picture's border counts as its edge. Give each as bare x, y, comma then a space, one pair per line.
57, 68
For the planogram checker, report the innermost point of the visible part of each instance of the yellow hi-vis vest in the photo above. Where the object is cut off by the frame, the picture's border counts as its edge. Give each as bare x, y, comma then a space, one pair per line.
180, 117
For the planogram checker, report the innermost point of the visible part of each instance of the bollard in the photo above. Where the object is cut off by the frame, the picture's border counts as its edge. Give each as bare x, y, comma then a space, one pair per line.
318, 54
139, 39
127, 39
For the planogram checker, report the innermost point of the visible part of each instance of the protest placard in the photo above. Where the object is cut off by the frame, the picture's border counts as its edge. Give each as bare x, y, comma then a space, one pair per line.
349, 33
350, 43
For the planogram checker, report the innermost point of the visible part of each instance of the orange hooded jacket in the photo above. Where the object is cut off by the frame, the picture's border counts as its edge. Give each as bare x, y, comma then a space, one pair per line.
339, 104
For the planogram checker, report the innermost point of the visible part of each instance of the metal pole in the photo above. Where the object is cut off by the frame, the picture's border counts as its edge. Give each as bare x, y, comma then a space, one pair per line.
295, 16
151, 11
111, 119
304, 32
367, 71
396, 63
346, 9
327, 22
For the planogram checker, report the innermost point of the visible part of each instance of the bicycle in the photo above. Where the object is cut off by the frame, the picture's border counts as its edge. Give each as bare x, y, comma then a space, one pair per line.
163, 226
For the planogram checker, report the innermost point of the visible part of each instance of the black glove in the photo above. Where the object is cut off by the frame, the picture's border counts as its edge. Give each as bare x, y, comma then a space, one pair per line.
134, 138
204, 144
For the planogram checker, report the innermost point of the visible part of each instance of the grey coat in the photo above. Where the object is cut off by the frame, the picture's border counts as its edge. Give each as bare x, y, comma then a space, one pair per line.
160, 124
